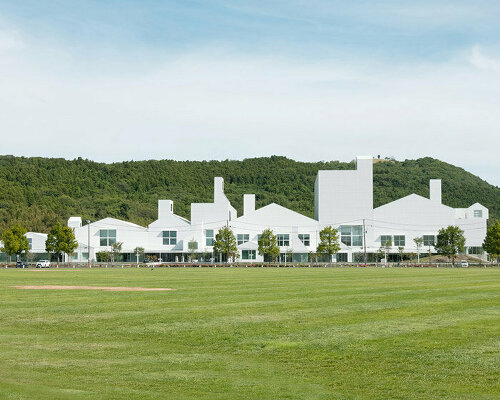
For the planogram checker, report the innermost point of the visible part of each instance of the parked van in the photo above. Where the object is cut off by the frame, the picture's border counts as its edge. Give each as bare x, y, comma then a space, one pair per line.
43, 264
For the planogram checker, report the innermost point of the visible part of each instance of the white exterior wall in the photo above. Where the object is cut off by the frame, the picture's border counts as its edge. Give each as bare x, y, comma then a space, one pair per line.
345, 196
342, 197
414, 216
167, 221
37, 241
131, 235
281, 221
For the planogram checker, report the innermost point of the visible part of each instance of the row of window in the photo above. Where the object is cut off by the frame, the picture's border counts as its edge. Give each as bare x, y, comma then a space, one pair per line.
399, 240
108, 237
350, 235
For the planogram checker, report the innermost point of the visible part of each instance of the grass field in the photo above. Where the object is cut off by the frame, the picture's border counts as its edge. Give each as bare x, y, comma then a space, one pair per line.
252, 334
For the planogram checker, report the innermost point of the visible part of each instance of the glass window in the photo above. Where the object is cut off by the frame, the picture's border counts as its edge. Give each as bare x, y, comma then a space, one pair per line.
248, 255
399, 240
209, 235
283, 239
357, 230
351, 235
475, 250
345, 229
357, 241
85, 256
169, 237
243, 238
384, 239
30, 243
107, 237
193, 245
478, 213
305, 238
429, 240
74, 256
346, 239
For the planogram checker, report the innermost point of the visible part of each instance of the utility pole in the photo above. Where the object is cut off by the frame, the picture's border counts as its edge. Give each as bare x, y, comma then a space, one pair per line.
88, 244
364, 240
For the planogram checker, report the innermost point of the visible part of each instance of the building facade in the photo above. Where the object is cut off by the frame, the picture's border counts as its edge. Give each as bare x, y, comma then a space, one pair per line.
342, 199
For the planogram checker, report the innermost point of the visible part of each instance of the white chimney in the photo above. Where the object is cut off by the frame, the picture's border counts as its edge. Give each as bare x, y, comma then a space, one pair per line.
435, 190
218, 188
165, 208
248, 204
75, 222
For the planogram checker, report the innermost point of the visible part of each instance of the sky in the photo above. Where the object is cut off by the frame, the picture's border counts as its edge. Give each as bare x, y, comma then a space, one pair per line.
198, 80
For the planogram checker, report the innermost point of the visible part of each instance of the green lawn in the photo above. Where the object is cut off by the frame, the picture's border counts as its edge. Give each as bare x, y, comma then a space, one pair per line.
236, 333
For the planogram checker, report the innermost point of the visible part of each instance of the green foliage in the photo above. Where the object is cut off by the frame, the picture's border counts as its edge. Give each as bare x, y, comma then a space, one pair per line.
103, 256
116, 249
39, 192
328, 241
268, 245
419, 242
61, 239
450, 241
491, 242
14, 241
139, 253
225, 243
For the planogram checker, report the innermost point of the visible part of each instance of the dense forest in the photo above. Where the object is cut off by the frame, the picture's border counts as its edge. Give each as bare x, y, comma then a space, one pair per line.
38, 192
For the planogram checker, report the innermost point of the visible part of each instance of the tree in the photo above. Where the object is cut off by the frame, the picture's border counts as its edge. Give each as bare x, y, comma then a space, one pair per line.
116, 249
491, 242
139, 251
103, 256
193, 250
268, 245
14, 241
401, 250
450, 241
419, 242
61, 239
328, 242
387, 248
225, 243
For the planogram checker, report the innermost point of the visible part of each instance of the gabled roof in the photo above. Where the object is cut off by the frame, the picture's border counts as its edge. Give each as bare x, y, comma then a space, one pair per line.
117, 222
477, 205
249, 246
273, 212
37, 234
414, 199
169, 220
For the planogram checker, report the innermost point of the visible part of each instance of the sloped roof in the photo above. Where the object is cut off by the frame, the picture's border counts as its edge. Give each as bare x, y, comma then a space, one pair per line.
37, 233
297, 245
117, 222
411, 198
169, 220
273, 213
249, 246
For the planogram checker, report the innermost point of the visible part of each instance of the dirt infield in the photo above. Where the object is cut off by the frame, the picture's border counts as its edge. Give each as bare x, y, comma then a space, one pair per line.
108, 288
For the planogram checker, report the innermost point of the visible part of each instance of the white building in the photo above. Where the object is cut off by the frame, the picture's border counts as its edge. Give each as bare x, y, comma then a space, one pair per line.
342, 199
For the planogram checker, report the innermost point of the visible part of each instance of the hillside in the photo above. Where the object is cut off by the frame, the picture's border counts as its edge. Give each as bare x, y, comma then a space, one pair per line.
37, 192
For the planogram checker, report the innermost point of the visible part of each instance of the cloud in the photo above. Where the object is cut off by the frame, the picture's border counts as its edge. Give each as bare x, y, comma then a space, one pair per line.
484, 62
217, 104
10, 41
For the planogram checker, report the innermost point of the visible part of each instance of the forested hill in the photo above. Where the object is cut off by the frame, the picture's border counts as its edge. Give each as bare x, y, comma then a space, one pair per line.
37, 192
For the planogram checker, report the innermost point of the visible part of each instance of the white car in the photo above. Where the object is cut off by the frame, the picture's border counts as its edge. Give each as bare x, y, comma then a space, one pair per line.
464, 264
43, 264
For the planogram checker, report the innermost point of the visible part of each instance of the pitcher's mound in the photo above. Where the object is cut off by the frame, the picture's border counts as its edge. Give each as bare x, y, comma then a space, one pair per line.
109, 288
